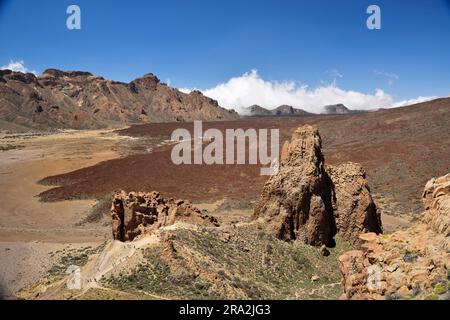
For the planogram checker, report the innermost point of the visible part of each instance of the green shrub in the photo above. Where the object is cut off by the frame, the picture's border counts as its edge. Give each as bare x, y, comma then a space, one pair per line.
440, 288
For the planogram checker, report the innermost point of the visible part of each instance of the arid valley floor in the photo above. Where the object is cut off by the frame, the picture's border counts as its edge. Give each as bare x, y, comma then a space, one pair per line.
56, 191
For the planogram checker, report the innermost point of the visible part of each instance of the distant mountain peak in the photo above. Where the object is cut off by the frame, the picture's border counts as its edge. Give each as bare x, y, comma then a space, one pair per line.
283, 110
336, 109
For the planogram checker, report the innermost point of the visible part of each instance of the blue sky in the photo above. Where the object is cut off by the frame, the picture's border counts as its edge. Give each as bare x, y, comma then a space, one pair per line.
200, 44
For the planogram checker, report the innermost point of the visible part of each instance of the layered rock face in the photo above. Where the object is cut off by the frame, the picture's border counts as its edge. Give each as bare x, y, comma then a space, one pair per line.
303, 203
412, 263
354, 209
137, 213
80, 100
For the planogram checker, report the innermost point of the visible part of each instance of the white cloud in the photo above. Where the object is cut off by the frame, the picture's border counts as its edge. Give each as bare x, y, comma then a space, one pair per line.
413, 101
391, 77
250, 88
185, 90
335, 74
18, 66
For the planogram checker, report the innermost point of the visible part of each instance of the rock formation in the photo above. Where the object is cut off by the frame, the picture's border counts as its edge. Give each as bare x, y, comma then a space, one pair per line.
296, 202
137, 213
437, 204
412, 263
354, 209
301, 202
81, 100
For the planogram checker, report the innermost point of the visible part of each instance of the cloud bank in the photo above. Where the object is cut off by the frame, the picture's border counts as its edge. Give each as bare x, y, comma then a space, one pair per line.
413, 101
250, 88
17, 66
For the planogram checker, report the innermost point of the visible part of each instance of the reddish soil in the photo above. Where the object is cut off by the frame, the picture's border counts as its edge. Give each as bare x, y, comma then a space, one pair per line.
400, 149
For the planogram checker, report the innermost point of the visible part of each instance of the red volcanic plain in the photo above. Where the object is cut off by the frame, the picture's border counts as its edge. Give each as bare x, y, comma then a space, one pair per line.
399, 148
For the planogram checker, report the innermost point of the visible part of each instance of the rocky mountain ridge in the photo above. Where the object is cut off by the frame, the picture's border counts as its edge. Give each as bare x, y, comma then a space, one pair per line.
339, 109
81, 100
283, 110
286, 110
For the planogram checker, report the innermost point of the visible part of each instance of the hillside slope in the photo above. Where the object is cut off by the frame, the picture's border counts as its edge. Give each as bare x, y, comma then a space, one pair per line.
81, 100
185, 261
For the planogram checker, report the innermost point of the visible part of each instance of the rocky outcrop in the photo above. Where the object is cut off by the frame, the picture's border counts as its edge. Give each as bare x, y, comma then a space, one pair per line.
355, 211
137, 213
301, 202
296, 202
436, 198
81, 100
412, 263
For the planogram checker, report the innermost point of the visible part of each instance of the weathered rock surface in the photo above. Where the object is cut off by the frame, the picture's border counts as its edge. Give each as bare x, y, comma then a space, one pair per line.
437, 203
296, 202
301, 202
412, 263
81, 100
137, 213
355, 211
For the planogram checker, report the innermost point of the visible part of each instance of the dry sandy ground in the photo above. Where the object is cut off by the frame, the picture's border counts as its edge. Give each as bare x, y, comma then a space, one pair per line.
30, 229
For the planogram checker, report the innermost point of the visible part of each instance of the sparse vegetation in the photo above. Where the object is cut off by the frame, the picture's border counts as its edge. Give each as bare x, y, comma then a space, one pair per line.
229, 204
432, 297
98, 211
440, 288
68, 257
8, 147
154, 276
251, 265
